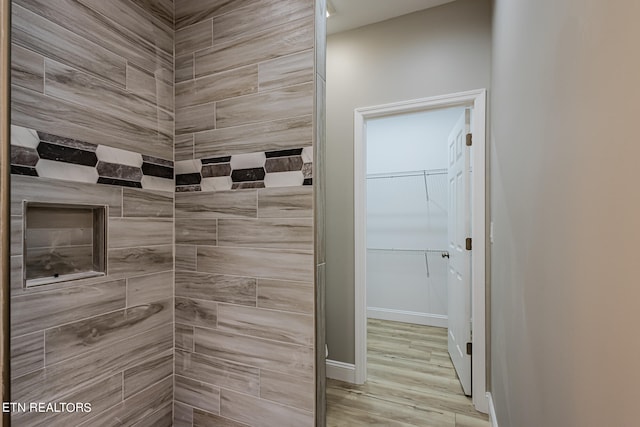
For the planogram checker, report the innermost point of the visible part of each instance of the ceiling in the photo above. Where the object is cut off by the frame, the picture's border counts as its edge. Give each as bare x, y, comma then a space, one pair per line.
350, 14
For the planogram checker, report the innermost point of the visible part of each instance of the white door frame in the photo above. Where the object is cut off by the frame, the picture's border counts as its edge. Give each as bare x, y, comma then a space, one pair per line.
477, 100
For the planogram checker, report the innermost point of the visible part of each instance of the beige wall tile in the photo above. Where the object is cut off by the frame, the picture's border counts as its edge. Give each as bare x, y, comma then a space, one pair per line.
282, 264
274, 105
195, 119
215, 87
101, 332
268, 136
286, 71
290, 233
286, 39
188, 12
201, 231
147, 373
222, 204
42, 310
219, 372
196, 312
196, 393
261, 413
296, 297
194, 37
149, 288
277, 356
216, 287
268, 324
287, 389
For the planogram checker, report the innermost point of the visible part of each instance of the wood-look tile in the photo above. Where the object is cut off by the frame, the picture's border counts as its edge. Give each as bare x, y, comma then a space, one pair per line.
195, 119
89, 31
146, 203
42, 310
66, 377
138, 407
16, 235
35, 189
182, 415
197, 393
290, 233
163, 417
184, 337
160, 9
34, 110
147, 373
141, 26
102, 395
184, 67
215, 87
287, 389
278, 104
269, 324
74, 86
196, 312
40, 35
467, 421
185, 258
145, 85
47, 262
261, 413
27, 353
149, 288
286, 71
281, 264
285, 202
268, 136
16, 274
201, 232
221, 204
219, 372
266, 15
183, 147
27, 68
216, 287
293, 37
103, 331
266, 354
188, 12
142, 260
296, 297
206, 419
194, 37
130, 232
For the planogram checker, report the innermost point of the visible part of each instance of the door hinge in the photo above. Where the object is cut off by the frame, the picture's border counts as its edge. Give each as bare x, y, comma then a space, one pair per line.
469, 140
469, 348
467, 243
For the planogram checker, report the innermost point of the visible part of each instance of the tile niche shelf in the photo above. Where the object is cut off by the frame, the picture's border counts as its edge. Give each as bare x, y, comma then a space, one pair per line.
63, 242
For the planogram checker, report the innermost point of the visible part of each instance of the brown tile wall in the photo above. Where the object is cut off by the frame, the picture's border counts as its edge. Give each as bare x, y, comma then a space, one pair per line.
100, 72
245, 266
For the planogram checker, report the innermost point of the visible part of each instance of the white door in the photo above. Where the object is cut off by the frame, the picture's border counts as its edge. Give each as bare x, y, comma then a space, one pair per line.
459, 274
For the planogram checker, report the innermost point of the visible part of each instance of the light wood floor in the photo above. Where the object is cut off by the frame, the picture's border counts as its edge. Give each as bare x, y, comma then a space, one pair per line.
410, 382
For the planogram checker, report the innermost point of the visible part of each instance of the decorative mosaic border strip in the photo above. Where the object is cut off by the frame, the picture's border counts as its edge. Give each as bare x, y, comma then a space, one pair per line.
284, 168
37, 153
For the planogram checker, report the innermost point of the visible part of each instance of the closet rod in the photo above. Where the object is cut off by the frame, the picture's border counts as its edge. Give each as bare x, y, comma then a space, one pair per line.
408, 250
427, 172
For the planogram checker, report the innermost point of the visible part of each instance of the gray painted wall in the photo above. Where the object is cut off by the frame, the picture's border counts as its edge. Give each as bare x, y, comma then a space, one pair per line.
441, 50
564, 167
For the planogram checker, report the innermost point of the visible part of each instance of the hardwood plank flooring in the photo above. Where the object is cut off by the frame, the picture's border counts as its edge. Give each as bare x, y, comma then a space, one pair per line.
411, 382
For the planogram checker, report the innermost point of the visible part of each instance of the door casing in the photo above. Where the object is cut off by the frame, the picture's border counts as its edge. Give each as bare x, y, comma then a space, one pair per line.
477, 100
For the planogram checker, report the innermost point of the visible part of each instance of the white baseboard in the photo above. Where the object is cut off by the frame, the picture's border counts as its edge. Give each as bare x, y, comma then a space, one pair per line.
492, 411
341, 371
407, 316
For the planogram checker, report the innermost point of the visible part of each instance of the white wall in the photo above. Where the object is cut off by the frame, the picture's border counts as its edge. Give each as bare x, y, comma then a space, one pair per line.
566, 208
441, 50
399, 215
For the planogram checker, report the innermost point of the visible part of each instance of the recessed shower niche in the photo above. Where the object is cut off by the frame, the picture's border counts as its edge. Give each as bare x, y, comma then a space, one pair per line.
63, 242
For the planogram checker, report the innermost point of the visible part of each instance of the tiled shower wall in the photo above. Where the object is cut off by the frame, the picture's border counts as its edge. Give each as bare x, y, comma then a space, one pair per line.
245, 234
92, 109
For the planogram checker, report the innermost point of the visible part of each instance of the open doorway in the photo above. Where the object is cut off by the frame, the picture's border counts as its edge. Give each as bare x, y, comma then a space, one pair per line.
377, 244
